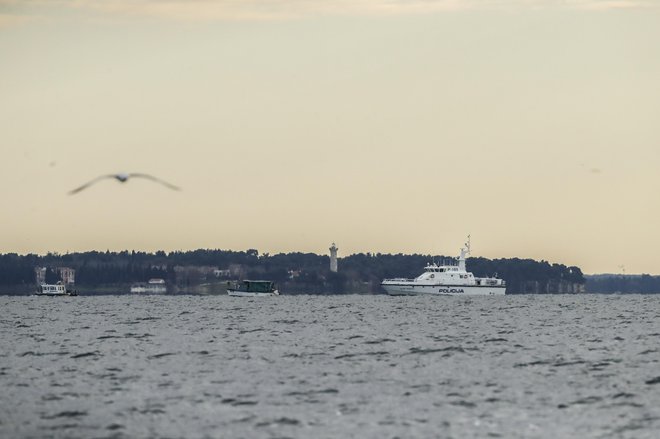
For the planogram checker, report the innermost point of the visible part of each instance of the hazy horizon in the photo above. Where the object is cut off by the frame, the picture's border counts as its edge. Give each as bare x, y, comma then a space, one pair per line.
386, 127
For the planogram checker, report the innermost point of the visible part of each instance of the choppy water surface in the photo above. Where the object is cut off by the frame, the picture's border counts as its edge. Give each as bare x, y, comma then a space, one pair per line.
340, 366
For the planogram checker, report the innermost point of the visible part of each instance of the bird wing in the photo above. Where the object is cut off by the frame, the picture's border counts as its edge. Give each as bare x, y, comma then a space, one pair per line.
89, 183
157, 180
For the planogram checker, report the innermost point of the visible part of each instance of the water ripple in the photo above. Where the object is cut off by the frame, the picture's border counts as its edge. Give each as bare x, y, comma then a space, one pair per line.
339, 366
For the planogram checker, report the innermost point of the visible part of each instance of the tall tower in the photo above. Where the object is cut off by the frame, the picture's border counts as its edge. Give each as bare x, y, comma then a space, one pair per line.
333, 258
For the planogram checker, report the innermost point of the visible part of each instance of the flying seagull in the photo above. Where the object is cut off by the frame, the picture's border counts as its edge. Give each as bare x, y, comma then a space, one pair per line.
123, 177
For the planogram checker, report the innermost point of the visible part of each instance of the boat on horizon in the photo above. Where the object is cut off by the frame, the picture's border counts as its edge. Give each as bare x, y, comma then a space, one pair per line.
153, 286
58, 289
253, 288
446, 280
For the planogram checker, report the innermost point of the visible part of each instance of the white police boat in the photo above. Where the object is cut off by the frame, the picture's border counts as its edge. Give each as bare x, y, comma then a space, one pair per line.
452, 279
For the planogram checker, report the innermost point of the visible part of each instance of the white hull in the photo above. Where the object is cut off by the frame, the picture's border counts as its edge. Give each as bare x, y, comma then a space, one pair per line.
238, 293
148, 290
53, 294
443, 290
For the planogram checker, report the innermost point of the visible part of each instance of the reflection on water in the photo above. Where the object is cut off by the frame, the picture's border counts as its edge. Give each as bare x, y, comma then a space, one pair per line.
340, 366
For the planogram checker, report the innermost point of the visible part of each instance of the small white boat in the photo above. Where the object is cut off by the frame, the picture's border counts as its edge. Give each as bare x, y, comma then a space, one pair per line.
57, 289
253, 288
154, 286
452, 280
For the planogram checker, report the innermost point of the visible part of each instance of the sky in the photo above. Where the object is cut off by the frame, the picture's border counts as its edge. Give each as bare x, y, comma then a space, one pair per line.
382, 125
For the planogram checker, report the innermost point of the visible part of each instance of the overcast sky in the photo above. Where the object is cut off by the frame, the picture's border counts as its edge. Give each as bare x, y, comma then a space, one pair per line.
385, 126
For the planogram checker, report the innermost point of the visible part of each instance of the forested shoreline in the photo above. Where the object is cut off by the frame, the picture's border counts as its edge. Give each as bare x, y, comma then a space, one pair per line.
295, 273
623, 284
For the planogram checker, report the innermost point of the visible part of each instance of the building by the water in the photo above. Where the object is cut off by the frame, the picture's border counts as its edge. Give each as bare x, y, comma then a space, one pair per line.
67, 275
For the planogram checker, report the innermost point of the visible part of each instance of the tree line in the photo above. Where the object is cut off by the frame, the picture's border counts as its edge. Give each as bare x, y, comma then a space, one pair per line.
623, 284
294, 272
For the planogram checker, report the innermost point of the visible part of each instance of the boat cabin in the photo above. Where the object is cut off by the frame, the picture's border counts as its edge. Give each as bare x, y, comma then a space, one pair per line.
256, 286
440, 269
52, 289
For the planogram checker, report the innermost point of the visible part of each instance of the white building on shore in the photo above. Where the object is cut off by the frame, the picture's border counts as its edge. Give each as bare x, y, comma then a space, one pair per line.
67, 275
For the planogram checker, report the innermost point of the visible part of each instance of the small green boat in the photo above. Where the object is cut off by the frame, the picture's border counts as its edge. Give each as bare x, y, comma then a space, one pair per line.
253, 288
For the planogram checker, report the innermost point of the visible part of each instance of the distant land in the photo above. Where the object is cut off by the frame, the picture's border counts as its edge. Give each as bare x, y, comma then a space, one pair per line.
206, 271
623, 283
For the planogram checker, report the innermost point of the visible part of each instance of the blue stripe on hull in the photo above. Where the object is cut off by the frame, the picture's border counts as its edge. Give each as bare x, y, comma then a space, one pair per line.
445, 290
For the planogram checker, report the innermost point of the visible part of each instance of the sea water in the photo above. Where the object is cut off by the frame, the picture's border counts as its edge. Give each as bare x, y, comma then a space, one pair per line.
535, 366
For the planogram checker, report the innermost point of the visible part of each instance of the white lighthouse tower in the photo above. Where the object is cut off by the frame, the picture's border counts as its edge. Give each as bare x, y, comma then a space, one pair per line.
333, 258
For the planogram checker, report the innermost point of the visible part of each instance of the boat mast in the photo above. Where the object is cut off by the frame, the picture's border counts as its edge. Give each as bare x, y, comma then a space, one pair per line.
464, 251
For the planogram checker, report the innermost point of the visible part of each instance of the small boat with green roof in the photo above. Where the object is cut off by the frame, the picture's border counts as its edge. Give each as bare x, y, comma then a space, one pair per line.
253, 288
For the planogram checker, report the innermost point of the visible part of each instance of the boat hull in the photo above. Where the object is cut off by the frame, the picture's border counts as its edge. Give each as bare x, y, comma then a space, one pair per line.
67, 294
443, 290
238, 293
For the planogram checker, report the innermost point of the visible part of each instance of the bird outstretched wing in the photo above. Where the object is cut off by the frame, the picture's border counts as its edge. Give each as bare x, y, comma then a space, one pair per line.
157, 180
89, 183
